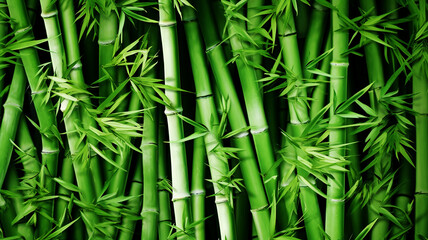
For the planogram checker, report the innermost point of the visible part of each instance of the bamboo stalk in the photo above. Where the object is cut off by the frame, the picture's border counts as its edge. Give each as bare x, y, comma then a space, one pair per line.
76, 75
299, 117
338, 93
165, 218
44, 108
205, 102
180, 183
106, 41
197, 190
255, 111
237, 121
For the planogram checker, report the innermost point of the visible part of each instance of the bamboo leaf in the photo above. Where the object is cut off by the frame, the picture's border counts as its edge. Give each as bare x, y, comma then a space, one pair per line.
344, 106
366, 230
67, 185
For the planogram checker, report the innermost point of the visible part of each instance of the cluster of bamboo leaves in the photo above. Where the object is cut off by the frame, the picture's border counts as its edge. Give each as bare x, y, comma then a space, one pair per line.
249, 119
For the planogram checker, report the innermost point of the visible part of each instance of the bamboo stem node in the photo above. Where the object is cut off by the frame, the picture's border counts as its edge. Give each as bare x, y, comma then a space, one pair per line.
14, 105
167, 23
49, 14
241, 135
21, 30
258, 131
179, 196
169, 112
197, 192
259, 209
105, 42
340, 64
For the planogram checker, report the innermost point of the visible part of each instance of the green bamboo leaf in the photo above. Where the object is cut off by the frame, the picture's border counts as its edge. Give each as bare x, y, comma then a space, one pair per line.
192, 136
67, 185
236, 132
28, 209
344, 106
312, 186
60, 230
366, 230
105, 157
110, 98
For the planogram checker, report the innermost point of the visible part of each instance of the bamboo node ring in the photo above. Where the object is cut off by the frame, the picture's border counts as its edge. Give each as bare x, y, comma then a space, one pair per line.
49, 14
19, 107
242, 134
197, 192
179, 196
21, 30
106, 42
258, 131
38, 92
337, 200
260, 208
339, 64
167, 24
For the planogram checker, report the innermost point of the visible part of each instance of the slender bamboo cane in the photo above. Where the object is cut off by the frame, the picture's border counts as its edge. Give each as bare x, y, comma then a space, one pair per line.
8, 129
28, 157
106, 40
180, 183
150, 211
134, 205
76, 75
205, 102
24, 230
248, 165
299, 116
420, 99
44, 109
165, 218
314, 39
197, 190
376, 76
255, 112
11, 117
4, 27
338, 93
53, 32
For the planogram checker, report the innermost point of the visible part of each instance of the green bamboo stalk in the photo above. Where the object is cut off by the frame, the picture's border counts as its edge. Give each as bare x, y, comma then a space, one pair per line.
44, 109
180, 183
10, 121
376, 76
208, 114
4, 28
7, 215
237, 121
134, 205
197, 190
28, 157
315, 35
108, 27
23, 230
255, 112
299, 117
420, 100
150, 211
11, 117
320, 92
76, 75
53, 33
253, 25
338, 93
165, 218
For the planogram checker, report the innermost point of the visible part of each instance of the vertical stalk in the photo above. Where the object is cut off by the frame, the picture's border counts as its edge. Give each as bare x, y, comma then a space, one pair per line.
76, 75
106, 40
248, 164
255, 110
208, 114
335, 205
44, 109
163, 188
197, 186
56, 48
299, 117
180, 183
